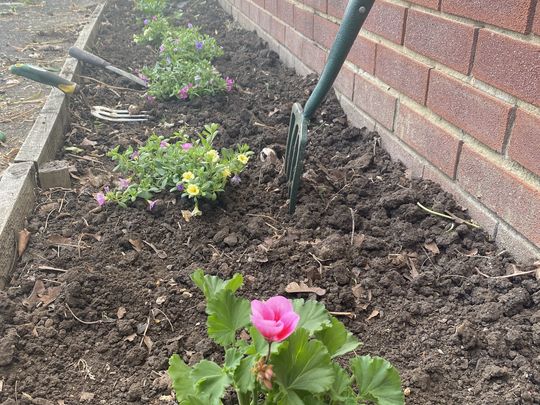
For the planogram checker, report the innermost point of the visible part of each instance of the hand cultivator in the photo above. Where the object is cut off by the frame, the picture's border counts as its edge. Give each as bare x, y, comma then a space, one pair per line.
355, 15
110, 114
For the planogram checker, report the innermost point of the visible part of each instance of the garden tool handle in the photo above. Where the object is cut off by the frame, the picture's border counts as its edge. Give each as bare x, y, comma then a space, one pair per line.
43, 76
355, 15
88, 57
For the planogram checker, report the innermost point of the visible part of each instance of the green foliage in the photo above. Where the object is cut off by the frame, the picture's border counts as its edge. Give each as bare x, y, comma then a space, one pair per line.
151, 7
155, 30
299, 371
177, 164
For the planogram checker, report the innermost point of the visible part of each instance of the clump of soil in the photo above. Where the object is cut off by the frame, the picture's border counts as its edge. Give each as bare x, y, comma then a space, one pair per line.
423, 292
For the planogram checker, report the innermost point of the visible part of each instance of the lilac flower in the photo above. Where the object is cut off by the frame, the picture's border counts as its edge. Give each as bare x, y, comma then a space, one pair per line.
150, 99
180, 187
145, 22
163, 144
154, 18
162, 48
187, 146
229, 83
152, 204
124, 183
235, 180
143, 77
190, 25
184, 91
134, 155
100, 198
199, 45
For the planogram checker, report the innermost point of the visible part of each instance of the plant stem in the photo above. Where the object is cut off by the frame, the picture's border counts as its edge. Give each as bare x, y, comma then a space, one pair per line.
255, 395
269, 352
243, 398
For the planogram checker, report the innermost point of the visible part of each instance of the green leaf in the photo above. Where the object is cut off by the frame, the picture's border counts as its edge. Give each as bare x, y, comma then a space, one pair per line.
227, 314
313, 315
337, 339
341, 388
233, 356
244, 378
259, 345
302, 365
182, 382
212, 285
377, 380
211, 379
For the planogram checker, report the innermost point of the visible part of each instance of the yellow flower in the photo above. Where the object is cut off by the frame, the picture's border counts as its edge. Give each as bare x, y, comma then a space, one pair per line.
226, 172
243, 158
193, 190
212, 156
187, 176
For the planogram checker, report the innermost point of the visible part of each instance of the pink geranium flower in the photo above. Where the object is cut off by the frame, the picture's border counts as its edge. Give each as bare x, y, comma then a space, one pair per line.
275, 318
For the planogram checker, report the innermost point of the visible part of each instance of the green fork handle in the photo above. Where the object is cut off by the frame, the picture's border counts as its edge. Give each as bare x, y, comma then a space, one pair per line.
355, 15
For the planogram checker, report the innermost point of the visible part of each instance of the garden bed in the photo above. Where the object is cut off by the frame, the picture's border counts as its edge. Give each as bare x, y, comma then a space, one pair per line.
421, 288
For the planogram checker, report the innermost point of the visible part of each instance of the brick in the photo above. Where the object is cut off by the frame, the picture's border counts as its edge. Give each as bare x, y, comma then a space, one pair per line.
517, 202
357, 117
320, 5
434, 4
345, 82
508, 64
402, 73
303, 21
497, 12
387, 20
265, 20
362, 54
293, 41
254, 13
313, 56
480, 115
377, 102
324, 31
260, 3
446, 41
536, 22
271, 6
277, 30
434, 143
524, 145
244, 7
336, 8
285, 11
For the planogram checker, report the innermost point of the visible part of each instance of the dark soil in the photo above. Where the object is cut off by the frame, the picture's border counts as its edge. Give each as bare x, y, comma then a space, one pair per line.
421, 287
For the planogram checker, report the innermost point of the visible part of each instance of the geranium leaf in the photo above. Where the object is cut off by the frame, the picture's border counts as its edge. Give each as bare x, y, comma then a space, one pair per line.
313, 315
377, 380
341, 388
244, 378
182, 382
259, 345
337, 339
212, 285
302, 365
227, 314
210, 379
233, 356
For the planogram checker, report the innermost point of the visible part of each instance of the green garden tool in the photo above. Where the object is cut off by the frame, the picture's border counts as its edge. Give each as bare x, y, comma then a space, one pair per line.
355, 15
41, 75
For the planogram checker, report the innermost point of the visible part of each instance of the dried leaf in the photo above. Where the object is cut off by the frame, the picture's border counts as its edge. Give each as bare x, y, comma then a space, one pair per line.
295, 288
130, 338
121, 312
471, 253
148, 342
1, 385
33, 298
373, 314
161, 300
55, 240
50, 295
358, 240
432, 247
24, 237
358, 291
186, 215
137, 244
88, 142
414, 272
87, 396
244, 335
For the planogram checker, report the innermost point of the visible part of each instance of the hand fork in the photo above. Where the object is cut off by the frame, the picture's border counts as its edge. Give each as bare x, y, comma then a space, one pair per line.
110, 114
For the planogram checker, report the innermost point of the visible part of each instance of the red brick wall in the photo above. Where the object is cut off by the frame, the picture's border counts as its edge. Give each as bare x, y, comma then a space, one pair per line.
452, 87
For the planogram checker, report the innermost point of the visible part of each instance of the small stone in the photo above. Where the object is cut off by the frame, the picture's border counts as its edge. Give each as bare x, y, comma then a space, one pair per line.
231, 240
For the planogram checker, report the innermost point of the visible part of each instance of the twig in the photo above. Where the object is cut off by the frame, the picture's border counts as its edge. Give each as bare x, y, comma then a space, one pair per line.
352, 230
151, 314
166, 317
521, 273
452, 217
52, 269
86, 322
321, 266
262, 216
347, 314
108, 85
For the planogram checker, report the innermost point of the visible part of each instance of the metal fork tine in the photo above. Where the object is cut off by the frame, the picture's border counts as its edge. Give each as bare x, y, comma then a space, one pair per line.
110, 114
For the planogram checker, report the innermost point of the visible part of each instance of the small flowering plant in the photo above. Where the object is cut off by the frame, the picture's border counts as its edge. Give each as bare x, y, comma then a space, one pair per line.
285, 355
155, 30
178, 164
151, 7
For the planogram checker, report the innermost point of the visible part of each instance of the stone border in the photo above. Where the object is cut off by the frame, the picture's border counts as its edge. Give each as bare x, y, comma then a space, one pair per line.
19, 180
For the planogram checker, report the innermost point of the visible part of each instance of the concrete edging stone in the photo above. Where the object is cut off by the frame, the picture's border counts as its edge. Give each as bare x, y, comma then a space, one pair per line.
46, 137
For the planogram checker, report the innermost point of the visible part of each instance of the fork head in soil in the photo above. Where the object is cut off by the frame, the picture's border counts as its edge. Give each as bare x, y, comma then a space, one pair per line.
110, 114
355, 15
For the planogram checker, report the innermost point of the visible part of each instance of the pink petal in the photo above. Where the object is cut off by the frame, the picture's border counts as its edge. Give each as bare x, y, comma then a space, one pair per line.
260, 308
289, 320
279, 305
269, 329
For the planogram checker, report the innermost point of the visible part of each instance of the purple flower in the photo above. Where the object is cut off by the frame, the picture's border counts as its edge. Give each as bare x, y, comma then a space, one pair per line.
152, 204
124, 183
190, 25
100, 198
150, 99
184, 91
163, 144
229, 83
106, 189
162, 48
235, 180
145, 22
154, 18
199, 45
187, 146
134, 155
180, 187
143, 77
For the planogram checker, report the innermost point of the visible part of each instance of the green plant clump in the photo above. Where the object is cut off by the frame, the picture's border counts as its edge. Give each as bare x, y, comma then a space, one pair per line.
191, 167
155, 30
151, 7
300, 369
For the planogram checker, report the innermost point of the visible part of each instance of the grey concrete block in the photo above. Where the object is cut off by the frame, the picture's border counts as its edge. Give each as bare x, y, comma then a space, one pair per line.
54, 174
16, 202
